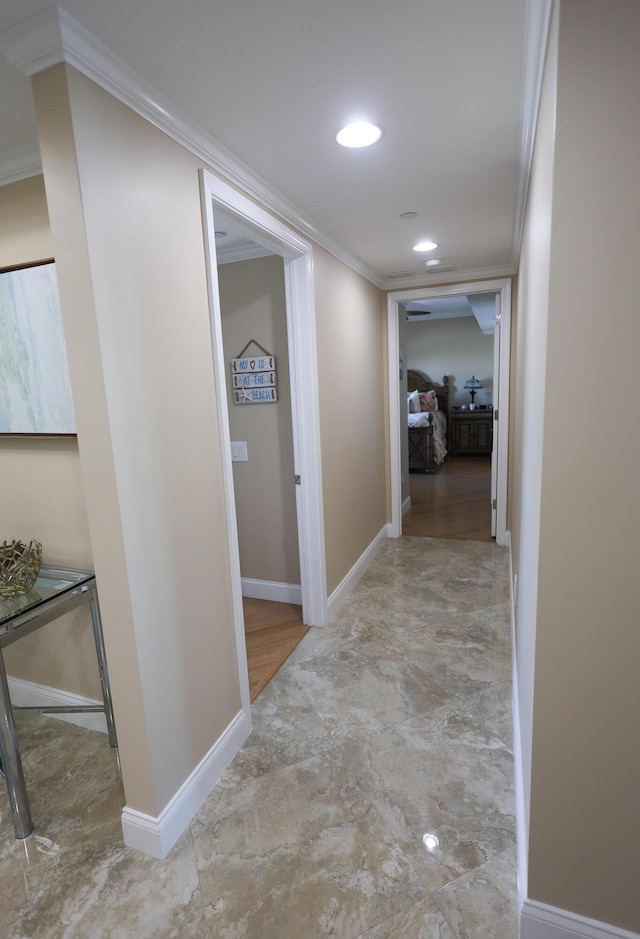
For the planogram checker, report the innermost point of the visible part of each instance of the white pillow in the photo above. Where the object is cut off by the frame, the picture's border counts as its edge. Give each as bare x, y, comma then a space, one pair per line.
413, 402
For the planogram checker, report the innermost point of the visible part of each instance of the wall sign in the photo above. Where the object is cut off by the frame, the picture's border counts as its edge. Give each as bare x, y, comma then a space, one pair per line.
253, 378
255, 395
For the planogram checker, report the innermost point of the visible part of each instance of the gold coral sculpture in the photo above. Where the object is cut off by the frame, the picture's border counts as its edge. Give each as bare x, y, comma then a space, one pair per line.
19, 567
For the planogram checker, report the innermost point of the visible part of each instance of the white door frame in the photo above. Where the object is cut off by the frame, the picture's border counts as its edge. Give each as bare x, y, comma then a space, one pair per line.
502, 287
298, 274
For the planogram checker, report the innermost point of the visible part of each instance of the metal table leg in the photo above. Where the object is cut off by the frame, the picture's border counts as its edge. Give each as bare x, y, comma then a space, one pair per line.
12, 763
102, 666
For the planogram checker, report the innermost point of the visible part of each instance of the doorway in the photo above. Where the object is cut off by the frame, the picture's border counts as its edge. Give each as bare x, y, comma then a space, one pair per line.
254, 325
259, 226
396, 310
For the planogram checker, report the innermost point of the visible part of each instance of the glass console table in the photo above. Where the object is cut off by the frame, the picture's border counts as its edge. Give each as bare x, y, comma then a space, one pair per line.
54, 593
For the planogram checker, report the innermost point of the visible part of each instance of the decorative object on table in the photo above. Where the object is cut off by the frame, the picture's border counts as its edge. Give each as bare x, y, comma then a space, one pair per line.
19, 567
472, 385
35, 388
253, 378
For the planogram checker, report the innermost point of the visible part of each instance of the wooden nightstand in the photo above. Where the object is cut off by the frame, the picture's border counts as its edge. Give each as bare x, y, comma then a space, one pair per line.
471, 431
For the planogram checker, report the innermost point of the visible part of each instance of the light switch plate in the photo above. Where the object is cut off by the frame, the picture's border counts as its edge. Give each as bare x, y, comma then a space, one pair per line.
239, 453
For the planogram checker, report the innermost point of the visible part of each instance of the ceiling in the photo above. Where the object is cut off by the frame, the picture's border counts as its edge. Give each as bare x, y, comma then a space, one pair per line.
269, 83
480, 305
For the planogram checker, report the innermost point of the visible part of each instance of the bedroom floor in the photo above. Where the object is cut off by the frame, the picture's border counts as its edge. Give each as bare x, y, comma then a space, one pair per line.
452, 502
392, 723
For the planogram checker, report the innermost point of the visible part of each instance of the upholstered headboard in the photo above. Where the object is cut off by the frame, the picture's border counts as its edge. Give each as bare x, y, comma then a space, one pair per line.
416, 381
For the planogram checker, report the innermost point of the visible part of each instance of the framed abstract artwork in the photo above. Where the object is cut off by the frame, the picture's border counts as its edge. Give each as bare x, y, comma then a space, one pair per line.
35, 391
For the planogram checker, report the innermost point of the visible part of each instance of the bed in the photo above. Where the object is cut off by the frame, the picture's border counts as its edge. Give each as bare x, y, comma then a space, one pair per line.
427, 412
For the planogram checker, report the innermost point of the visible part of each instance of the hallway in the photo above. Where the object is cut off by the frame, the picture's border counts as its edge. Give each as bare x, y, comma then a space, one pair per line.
391, 723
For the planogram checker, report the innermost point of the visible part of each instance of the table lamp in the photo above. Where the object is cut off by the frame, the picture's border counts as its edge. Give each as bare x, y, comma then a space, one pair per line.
472, 386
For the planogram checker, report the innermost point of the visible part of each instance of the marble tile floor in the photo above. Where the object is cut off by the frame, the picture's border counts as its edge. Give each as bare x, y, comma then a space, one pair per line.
393, 722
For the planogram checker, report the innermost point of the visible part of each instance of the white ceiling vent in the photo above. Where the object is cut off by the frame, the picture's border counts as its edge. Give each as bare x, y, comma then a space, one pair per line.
395, 274
439, 270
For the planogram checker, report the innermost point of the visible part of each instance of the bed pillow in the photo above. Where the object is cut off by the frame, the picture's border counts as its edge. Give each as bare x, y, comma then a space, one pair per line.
413, 402
428, 401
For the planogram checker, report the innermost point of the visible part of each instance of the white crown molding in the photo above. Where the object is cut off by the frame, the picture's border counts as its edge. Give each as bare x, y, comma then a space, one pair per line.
457, 277
241, 252
19, 164
536, 35
53, 36
36, 43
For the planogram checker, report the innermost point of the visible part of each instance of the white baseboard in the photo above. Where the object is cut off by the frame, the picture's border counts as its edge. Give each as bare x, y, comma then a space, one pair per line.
155, 836
31, 694
406, 505
539, 921
346, 586
271, 590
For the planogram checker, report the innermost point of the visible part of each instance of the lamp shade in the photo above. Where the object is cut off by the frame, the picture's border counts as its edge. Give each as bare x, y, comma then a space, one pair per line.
472, 383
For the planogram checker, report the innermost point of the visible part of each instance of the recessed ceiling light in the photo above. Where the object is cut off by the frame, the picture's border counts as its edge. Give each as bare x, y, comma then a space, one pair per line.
408, 215
433, 262
360, 134
425, 246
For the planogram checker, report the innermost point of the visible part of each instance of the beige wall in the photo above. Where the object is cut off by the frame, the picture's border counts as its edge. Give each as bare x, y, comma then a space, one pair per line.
253, 304
457, 348
351, 365
585, 767
125, 215
43, 495
25, 235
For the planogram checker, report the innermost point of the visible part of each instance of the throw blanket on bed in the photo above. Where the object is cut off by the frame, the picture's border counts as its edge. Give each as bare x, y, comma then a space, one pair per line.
439, 422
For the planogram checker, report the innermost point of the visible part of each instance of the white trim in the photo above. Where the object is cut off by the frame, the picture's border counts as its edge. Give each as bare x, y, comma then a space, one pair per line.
406, 505
539, 921
536, 36
303, 371
31, 694
394, 298
224, 436
518, 771
20, 164
437, 279
53, 36
305, 412
156, 836
349, 582
241, 252
271, 590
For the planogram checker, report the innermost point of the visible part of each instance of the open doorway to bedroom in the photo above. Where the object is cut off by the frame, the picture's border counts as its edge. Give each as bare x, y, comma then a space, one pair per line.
448, 344
476, 487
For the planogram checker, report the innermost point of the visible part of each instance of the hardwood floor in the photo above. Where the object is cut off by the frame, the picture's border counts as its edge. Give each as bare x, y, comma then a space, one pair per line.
272, 631
453, 502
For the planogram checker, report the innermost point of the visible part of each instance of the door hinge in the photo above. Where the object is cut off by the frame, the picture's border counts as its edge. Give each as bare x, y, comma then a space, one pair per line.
494, 504
296, 480
495, 415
